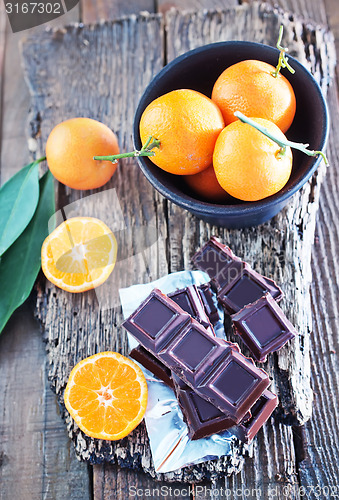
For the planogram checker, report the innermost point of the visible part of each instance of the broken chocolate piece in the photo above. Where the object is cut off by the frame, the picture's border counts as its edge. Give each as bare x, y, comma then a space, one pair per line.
151, 363
261, 411
190, 301
263, 327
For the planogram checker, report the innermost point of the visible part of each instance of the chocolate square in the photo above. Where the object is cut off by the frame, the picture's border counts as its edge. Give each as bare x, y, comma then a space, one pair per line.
242, 382
263, 327
156, 321
246, 287
210, 307
190, 301
151, 363
213, 257
201, 417
238, 383
193, 353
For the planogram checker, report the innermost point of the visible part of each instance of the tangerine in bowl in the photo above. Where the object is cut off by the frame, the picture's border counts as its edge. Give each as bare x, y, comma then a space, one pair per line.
198, 70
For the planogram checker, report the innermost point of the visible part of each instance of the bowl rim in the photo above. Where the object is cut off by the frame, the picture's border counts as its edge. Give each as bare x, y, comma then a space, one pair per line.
212, 209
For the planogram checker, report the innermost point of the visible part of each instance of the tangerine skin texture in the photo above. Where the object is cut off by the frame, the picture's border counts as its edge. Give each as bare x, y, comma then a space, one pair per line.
187, 124
70, 148
205, 184
246, 163
249, 87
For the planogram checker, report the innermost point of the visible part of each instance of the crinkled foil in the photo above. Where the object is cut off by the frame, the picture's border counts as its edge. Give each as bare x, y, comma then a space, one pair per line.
170, 445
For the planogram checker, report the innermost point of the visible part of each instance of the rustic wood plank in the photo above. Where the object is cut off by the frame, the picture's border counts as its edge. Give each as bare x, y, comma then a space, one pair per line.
113, 483
165, 5
320, 465
52, 114
269, 472
37, 459
307, 9
102, 10
2, 64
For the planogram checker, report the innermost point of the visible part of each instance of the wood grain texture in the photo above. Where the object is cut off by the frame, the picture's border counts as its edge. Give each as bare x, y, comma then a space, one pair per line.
101, 10
36, 459
321, 432
289, 236
166, 5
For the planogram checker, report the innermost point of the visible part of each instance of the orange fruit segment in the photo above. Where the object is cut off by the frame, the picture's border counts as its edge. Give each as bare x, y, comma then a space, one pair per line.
106, 395
79, 255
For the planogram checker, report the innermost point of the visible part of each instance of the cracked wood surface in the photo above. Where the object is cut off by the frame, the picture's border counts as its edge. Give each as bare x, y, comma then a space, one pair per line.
47, 467
289, 235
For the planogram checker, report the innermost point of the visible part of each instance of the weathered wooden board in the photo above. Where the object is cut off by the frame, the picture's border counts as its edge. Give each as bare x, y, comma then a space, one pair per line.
101, 10
280, 249
37, 459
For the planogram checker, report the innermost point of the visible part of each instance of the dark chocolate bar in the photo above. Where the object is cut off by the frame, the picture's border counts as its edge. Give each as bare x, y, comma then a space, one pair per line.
260, 413
235, 281
209, 365
203, 418
190, 301
209, 305
263, 327
151, 363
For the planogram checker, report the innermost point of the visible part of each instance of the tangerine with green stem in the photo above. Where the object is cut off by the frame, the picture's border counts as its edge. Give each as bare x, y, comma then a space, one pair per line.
257, 89
178, 131
247, 164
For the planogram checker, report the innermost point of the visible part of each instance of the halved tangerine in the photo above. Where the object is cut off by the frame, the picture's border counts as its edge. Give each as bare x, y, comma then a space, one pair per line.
80, 254
106, 395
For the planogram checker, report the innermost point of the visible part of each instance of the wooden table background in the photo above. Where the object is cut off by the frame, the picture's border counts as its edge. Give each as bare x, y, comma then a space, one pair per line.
36, 456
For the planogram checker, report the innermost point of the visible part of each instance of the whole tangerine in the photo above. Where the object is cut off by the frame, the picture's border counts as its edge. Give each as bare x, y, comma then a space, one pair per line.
249, 165
187, 124
205, 184
70, 149
250, 87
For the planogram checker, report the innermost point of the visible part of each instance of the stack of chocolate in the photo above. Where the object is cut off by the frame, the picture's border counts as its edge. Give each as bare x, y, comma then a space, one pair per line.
250, 298
217, 387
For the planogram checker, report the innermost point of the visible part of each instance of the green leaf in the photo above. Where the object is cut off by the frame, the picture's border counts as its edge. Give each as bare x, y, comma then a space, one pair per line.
20, 265
18, 200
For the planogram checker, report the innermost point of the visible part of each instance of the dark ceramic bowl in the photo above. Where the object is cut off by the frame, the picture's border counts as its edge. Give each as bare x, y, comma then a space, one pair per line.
198, 70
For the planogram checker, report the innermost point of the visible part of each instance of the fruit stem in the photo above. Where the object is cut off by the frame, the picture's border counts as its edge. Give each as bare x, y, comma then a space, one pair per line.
283, 144
39, 160
283, 59
146, 150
